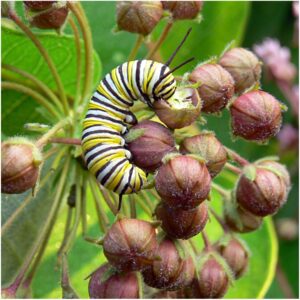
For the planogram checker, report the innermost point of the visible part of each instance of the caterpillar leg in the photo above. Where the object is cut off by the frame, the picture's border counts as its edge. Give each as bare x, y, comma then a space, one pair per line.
120, 202
128, 185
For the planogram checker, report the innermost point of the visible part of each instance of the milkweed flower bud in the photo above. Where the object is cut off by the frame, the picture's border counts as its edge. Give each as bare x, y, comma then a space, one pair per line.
264, 193
182, 10
277, 168
213, 277
116, 286
244, 67
209, 147
151, 146
130, 244
46, 14
182, 224
216, 86
239, 219
20, 162
181, 110
183, 182
39, 5
171, 272
256, 116
138, 16
235, 252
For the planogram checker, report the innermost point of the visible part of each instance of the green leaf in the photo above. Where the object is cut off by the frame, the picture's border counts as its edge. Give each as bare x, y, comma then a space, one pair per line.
23, 219
19, 51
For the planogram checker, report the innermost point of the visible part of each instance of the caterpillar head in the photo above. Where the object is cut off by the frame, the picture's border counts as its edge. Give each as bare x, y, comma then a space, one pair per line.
166, 86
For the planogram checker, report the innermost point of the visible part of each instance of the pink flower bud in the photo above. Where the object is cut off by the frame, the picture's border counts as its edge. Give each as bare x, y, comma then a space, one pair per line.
182, 224
20, 163
236, 255
209, 147
182, 10
138, 16
117, 286
263, 194
130, 244
183, 182
240, 220
255, 116
244, 67
216, 86
213, 278
171, 272
154, 143
39, 5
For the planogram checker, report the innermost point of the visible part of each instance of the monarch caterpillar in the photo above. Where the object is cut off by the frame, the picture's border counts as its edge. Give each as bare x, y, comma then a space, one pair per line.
108, 116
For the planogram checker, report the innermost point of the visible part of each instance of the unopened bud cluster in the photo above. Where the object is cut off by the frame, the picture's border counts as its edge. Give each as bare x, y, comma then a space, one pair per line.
182, 167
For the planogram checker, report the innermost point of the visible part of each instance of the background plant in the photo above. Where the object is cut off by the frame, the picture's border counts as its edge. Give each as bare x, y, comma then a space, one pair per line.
112, 53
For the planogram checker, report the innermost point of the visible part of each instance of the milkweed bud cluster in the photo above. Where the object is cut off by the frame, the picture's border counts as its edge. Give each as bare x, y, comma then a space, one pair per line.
182, 165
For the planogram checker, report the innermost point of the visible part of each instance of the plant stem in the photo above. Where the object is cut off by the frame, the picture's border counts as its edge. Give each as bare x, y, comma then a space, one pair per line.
224, 193
126, 208
67, 141
68, 291
102, 217
112, 206
36, 96
206, 241
236, 157
132, 207
154, 193
219, 219
47, 136
148, 200
284, 283
233, 168
160, 40
46, 57
78, 65
136, 47
144, 207
194, 246
78, 12
72, 235
41, 85
66, 235
84, 214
